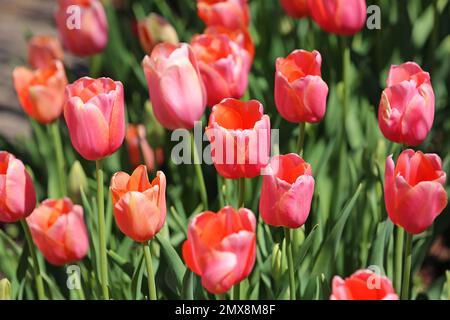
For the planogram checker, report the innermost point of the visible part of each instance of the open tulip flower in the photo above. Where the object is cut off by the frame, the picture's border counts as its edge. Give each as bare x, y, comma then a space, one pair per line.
221, 247
233, 14
42, 50
414, 190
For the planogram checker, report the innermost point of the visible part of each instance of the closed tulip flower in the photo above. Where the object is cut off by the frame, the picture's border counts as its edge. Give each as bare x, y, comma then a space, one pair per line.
342, 17
287, 191
223, 67
82, 25
94, 114
295, 8
139, 206
17, 195
363, 285
155, 29
42, 50
239, 133
175, 86
414, 190
59, 232
41, 92
233, 14
221, 248
240, 36
406, 111
300, 92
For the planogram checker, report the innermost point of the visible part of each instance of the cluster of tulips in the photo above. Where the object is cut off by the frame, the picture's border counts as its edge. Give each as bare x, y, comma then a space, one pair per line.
183, 79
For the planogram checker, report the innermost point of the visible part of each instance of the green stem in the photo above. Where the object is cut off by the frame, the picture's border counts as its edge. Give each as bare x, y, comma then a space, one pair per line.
101, 230
150, 274
198, 172
237, 291
36, 268
59, 158
301, 138
287, 235
400, 236
241, 199
407, 267
345, 66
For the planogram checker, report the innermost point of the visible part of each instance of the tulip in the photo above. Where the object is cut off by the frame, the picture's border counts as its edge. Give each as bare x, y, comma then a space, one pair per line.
5, 289
300, 92
94, 114
139, 149
287, 191
155, 29
240, 36
239, 133
233, 14
223, 68
414, 190
59, 232
17, 195
221, 248
139, 206
41, 92
42, 50
363, 285
406, 110
295, 8
175, 86
82, 25
342, 17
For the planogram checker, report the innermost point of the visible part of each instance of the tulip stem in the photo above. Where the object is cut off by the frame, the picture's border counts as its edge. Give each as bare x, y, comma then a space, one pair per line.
36, 268
287, 235
59, 158
237, 291
241, 199
198, 172
407, 267
150, 274
301, 138
101, 230
400, 236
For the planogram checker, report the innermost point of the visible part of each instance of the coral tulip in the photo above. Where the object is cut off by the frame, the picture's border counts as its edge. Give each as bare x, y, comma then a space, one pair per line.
155, 29
221, 248
82, 25
300, 92
343, 17
414, 190
42, 50
59, 232
240, 36
140, 150
295, 8
406, 110
287, 191
233, 14
94, 113
175, 86
239, 133
139, 206
17, 195
41, 92
223, 68
363, 285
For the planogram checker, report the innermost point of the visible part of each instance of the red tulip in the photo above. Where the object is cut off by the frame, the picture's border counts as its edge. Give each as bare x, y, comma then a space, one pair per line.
239, 133
17, 195
94, 114
59, 232
406, 110
414, 190
139, 206
41, 92
233, 14
221, 248
295, 8
287, 191
42, 50
343, 17
300, 92
82, 25
363, 285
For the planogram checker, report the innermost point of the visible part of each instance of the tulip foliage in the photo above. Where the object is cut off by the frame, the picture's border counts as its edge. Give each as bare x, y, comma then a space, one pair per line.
334, 187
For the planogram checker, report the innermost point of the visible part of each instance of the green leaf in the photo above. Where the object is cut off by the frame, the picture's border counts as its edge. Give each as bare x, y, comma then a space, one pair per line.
23, 263
187, 292
173, 259
136, 280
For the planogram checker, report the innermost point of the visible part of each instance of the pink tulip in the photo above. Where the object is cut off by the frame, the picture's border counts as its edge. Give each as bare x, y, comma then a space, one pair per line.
363, 285
59, 232
406, 110
221, 248
233, 14
287, 191
300, 92
82, 25
94, 113
343, 17
42, 50
414, 190
224, 66
175, 86
17, 195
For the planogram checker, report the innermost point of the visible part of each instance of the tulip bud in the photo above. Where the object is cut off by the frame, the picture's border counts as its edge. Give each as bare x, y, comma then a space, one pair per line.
5, 289
77, 181
276, 262
42, 50
155, 29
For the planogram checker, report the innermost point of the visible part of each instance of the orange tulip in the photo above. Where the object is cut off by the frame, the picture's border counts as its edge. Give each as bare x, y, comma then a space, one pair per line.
42, 50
